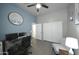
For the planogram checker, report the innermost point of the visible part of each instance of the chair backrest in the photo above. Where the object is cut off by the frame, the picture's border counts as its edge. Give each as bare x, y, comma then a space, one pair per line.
26, 41
11, 36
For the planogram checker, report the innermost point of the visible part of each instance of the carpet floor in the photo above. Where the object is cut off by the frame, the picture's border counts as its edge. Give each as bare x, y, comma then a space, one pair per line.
40, 47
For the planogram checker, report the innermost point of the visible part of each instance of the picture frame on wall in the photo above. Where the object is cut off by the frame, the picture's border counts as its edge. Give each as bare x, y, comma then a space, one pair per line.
15, 18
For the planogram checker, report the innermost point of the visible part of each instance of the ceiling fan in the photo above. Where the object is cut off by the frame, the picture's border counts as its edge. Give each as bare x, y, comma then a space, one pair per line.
38, 5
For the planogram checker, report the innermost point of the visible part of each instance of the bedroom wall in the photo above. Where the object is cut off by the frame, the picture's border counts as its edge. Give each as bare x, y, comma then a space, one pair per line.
73, 30
60, 15
69, 28
6, 27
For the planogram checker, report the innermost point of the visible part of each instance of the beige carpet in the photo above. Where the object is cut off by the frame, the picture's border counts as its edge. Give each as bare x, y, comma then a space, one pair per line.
40, 47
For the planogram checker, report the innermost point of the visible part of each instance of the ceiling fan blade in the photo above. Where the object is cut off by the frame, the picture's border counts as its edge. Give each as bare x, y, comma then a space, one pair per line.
43, 5
31, 5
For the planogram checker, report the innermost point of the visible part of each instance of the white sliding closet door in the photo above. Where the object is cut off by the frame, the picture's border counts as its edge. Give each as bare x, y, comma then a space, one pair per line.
34, 31
37, 31
52, 31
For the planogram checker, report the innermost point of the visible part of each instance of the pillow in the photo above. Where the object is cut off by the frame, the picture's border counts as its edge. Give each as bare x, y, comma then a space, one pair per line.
58, 46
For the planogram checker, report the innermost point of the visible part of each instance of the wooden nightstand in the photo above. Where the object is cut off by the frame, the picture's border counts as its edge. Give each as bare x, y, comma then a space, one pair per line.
63, 52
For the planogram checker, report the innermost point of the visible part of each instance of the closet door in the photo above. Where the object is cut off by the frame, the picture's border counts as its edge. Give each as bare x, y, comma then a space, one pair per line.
52, 31
39, 31
34, 31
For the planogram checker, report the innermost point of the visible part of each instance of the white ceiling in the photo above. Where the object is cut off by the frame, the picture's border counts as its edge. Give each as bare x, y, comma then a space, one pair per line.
52, 7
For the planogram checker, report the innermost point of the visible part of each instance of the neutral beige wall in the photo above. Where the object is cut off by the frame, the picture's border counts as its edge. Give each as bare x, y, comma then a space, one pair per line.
69, 28
73, 30
60, 15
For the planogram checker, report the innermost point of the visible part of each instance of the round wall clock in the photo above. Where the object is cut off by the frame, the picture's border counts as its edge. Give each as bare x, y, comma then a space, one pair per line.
15, 18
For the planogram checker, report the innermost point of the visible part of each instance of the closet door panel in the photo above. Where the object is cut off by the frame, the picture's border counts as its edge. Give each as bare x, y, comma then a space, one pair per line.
52, 31
39, 31
47, 31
